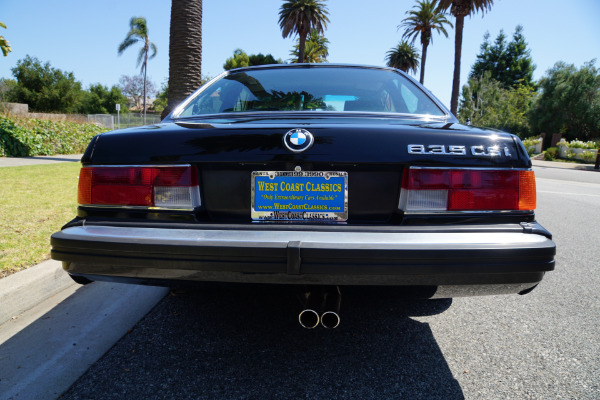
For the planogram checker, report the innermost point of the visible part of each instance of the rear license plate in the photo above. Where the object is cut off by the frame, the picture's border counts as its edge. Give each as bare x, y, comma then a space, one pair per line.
299, 196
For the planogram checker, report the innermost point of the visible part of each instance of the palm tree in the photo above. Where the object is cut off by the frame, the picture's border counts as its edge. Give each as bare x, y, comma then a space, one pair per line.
185, 51
404, 56
316, 49
299, 17
421, 21
460, 9
138, 32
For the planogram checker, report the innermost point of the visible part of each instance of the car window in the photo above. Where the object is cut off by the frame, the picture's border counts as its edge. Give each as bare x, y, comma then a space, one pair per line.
338, 89
409, 98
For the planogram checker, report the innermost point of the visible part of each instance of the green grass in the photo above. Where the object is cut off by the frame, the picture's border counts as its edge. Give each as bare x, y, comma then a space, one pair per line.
35, 201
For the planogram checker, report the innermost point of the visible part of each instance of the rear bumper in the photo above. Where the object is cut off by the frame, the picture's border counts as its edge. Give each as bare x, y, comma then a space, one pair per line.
453, 261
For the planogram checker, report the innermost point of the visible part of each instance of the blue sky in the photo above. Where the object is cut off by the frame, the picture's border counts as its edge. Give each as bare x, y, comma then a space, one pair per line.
82, 36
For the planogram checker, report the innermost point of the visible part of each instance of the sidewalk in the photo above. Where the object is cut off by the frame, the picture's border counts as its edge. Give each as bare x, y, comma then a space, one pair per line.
19, 161
563, 165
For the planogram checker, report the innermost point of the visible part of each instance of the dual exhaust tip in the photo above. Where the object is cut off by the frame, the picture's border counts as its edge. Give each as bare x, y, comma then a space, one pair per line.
321, 306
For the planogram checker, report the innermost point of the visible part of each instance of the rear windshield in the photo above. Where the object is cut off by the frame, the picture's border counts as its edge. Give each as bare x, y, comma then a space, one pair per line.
338, 89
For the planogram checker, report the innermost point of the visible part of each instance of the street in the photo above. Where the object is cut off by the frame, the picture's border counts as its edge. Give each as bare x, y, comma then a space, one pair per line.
244, 342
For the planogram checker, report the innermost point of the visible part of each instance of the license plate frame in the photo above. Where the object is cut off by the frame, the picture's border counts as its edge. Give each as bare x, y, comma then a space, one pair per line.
312, 196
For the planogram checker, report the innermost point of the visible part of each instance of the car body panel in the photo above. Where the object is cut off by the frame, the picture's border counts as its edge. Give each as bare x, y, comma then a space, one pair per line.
375, 243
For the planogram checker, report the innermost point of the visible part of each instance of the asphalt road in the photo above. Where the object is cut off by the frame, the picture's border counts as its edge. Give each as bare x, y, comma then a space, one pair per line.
244, 342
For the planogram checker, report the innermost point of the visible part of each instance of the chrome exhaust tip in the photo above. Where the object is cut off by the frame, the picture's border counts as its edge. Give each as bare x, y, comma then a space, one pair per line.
308, 318
330, 319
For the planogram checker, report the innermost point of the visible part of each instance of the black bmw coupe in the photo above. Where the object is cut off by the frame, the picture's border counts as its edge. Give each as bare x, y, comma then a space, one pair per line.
319, 175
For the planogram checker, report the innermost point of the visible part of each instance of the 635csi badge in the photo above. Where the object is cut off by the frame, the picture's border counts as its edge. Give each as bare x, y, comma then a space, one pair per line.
458, 150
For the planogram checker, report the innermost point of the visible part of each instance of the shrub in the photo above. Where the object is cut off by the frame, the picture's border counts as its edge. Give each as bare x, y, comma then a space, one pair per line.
23, 137
578, 144
588, 156
530, 144
551, 154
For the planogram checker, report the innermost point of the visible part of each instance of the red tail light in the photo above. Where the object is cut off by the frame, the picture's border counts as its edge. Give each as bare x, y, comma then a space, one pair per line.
436, 189
167, 187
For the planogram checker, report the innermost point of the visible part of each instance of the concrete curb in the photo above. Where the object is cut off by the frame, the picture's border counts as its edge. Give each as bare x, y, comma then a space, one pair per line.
22, 291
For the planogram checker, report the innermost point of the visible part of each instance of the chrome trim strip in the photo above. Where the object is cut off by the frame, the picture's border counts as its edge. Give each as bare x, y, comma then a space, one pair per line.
112, 206
475, 168
478, 212
311, 239
137, 165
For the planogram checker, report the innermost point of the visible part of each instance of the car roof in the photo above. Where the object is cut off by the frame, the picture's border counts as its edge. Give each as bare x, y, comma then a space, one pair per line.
313, 65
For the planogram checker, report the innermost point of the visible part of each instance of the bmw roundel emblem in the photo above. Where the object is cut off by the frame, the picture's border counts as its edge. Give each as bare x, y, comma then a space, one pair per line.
297, 140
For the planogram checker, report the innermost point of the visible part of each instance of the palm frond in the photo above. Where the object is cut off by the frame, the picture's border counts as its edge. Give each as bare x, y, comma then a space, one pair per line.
422, 20
299, 16
153, 48
404, 57
129, 41
465, 7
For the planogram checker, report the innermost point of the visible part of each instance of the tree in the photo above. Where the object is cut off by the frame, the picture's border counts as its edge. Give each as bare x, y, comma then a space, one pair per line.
260, 59
185, 51
162, 98
7, 90
568, 101
238, 60
135, 88
316, 48
4, 45
241, 59
404, 56
44, 88
421, 21
487, 103
100, 99
138, 32
508, 63
460, 9
299, 17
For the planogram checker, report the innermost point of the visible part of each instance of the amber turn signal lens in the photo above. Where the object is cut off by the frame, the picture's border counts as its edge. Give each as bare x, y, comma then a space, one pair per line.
84, 192
527, 194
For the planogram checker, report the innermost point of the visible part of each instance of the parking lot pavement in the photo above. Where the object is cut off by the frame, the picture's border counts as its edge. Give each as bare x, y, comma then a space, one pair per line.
19, 161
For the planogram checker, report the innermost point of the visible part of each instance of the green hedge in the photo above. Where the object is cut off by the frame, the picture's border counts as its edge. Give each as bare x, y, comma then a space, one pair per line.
24, 137
551, 153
